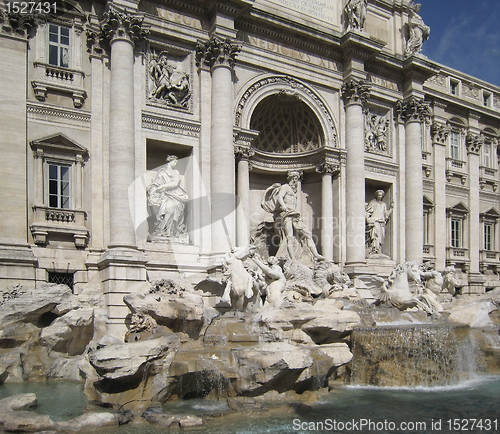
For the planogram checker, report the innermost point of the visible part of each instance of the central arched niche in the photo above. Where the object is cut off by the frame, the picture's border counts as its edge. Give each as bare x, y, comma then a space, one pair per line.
286, 125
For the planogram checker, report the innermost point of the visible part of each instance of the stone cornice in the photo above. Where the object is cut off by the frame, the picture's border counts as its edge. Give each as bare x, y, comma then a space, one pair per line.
230, 7
355, 92
121, 24
413, 110
356, 44
417, 68
216, 52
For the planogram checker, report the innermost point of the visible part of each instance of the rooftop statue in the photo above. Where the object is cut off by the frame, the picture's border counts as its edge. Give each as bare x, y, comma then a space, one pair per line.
418, 31
356, 13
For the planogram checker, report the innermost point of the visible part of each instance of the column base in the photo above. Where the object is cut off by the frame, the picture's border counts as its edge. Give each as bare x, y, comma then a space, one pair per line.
122, 270
476, 284
17, 266
380, 265
355, 269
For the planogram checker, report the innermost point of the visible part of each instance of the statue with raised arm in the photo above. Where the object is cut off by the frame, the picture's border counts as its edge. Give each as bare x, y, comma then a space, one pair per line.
356, 13
167, 194
417, 30
281, 201
377, 215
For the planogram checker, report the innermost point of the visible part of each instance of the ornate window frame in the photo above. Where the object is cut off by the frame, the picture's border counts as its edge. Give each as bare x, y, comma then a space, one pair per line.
68, 223
489, 257
458, 254
49, 78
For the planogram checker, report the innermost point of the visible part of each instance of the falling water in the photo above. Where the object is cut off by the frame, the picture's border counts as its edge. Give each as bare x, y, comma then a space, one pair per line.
417, 355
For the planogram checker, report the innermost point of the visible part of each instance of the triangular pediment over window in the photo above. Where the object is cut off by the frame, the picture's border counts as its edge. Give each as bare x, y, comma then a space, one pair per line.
459, 210
491, 214
428, 203
59, 143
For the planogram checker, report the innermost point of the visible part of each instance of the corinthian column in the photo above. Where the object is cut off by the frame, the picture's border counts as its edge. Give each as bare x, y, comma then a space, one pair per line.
219, 54
413, 111
327, 171
122, 266
243, 154
355, 94
121, 29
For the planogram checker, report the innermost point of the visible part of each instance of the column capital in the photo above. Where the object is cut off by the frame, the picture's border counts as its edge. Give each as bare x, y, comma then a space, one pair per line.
243, 152
440, 133
19, 25
328, 168
96, 41
473, 143
216, 52
120, 24
413, 110
355, 92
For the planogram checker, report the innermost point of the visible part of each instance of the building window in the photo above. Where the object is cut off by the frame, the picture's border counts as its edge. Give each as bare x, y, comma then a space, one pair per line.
486, 99
488, 236
454, 87
487, 157
59, 186
456, 232
58, 45
62, 278
455, 145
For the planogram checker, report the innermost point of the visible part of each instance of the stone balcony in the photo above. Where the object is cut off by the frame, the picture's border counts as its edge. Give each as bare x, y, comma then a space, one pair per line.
61, 222
50, 78
489, 258
458, 256
456, 168
488, 176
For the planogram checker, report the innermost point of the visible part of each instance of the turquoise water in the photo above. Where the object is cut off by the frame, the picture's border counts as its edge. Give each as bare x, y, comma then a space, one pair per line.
381, 410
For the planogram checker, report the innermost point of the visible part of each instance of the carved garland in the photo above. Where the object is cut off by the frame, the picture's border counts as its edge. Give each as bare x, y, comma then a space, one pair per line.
294, 84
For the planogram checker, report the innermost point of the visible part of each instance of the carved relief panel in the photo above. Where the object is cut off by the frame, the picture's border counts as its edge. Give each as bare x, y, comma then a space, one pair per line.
377, 132
169, 79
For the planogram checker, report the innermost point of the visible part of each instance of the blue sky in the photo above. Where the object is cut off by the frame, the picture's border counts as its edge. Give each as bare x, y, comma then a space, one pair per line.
465, 35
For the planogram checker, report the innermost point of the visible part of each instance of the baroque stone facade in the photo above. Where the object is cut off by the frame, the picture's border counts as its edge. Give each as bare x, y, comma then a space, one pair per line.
96, 96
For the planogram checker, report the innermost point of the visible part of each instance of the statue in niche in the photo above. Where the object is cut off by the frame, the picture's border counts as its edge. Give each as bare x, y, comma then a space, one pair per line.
356, 13
418, 31
281, 202
167, 194
168, 83
377, 215
376, 133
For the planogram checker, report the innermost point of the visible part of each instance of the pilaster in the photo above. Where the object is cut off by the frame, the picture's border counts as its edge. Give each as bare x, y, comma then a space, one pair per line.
17, 261
440, 133
473, 143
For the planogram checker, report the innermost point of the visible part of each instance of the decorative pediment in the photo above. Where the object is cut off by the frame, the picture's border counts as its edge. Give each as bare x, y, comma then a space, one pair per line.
428, 204
491, 214
59, 144
458, 210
